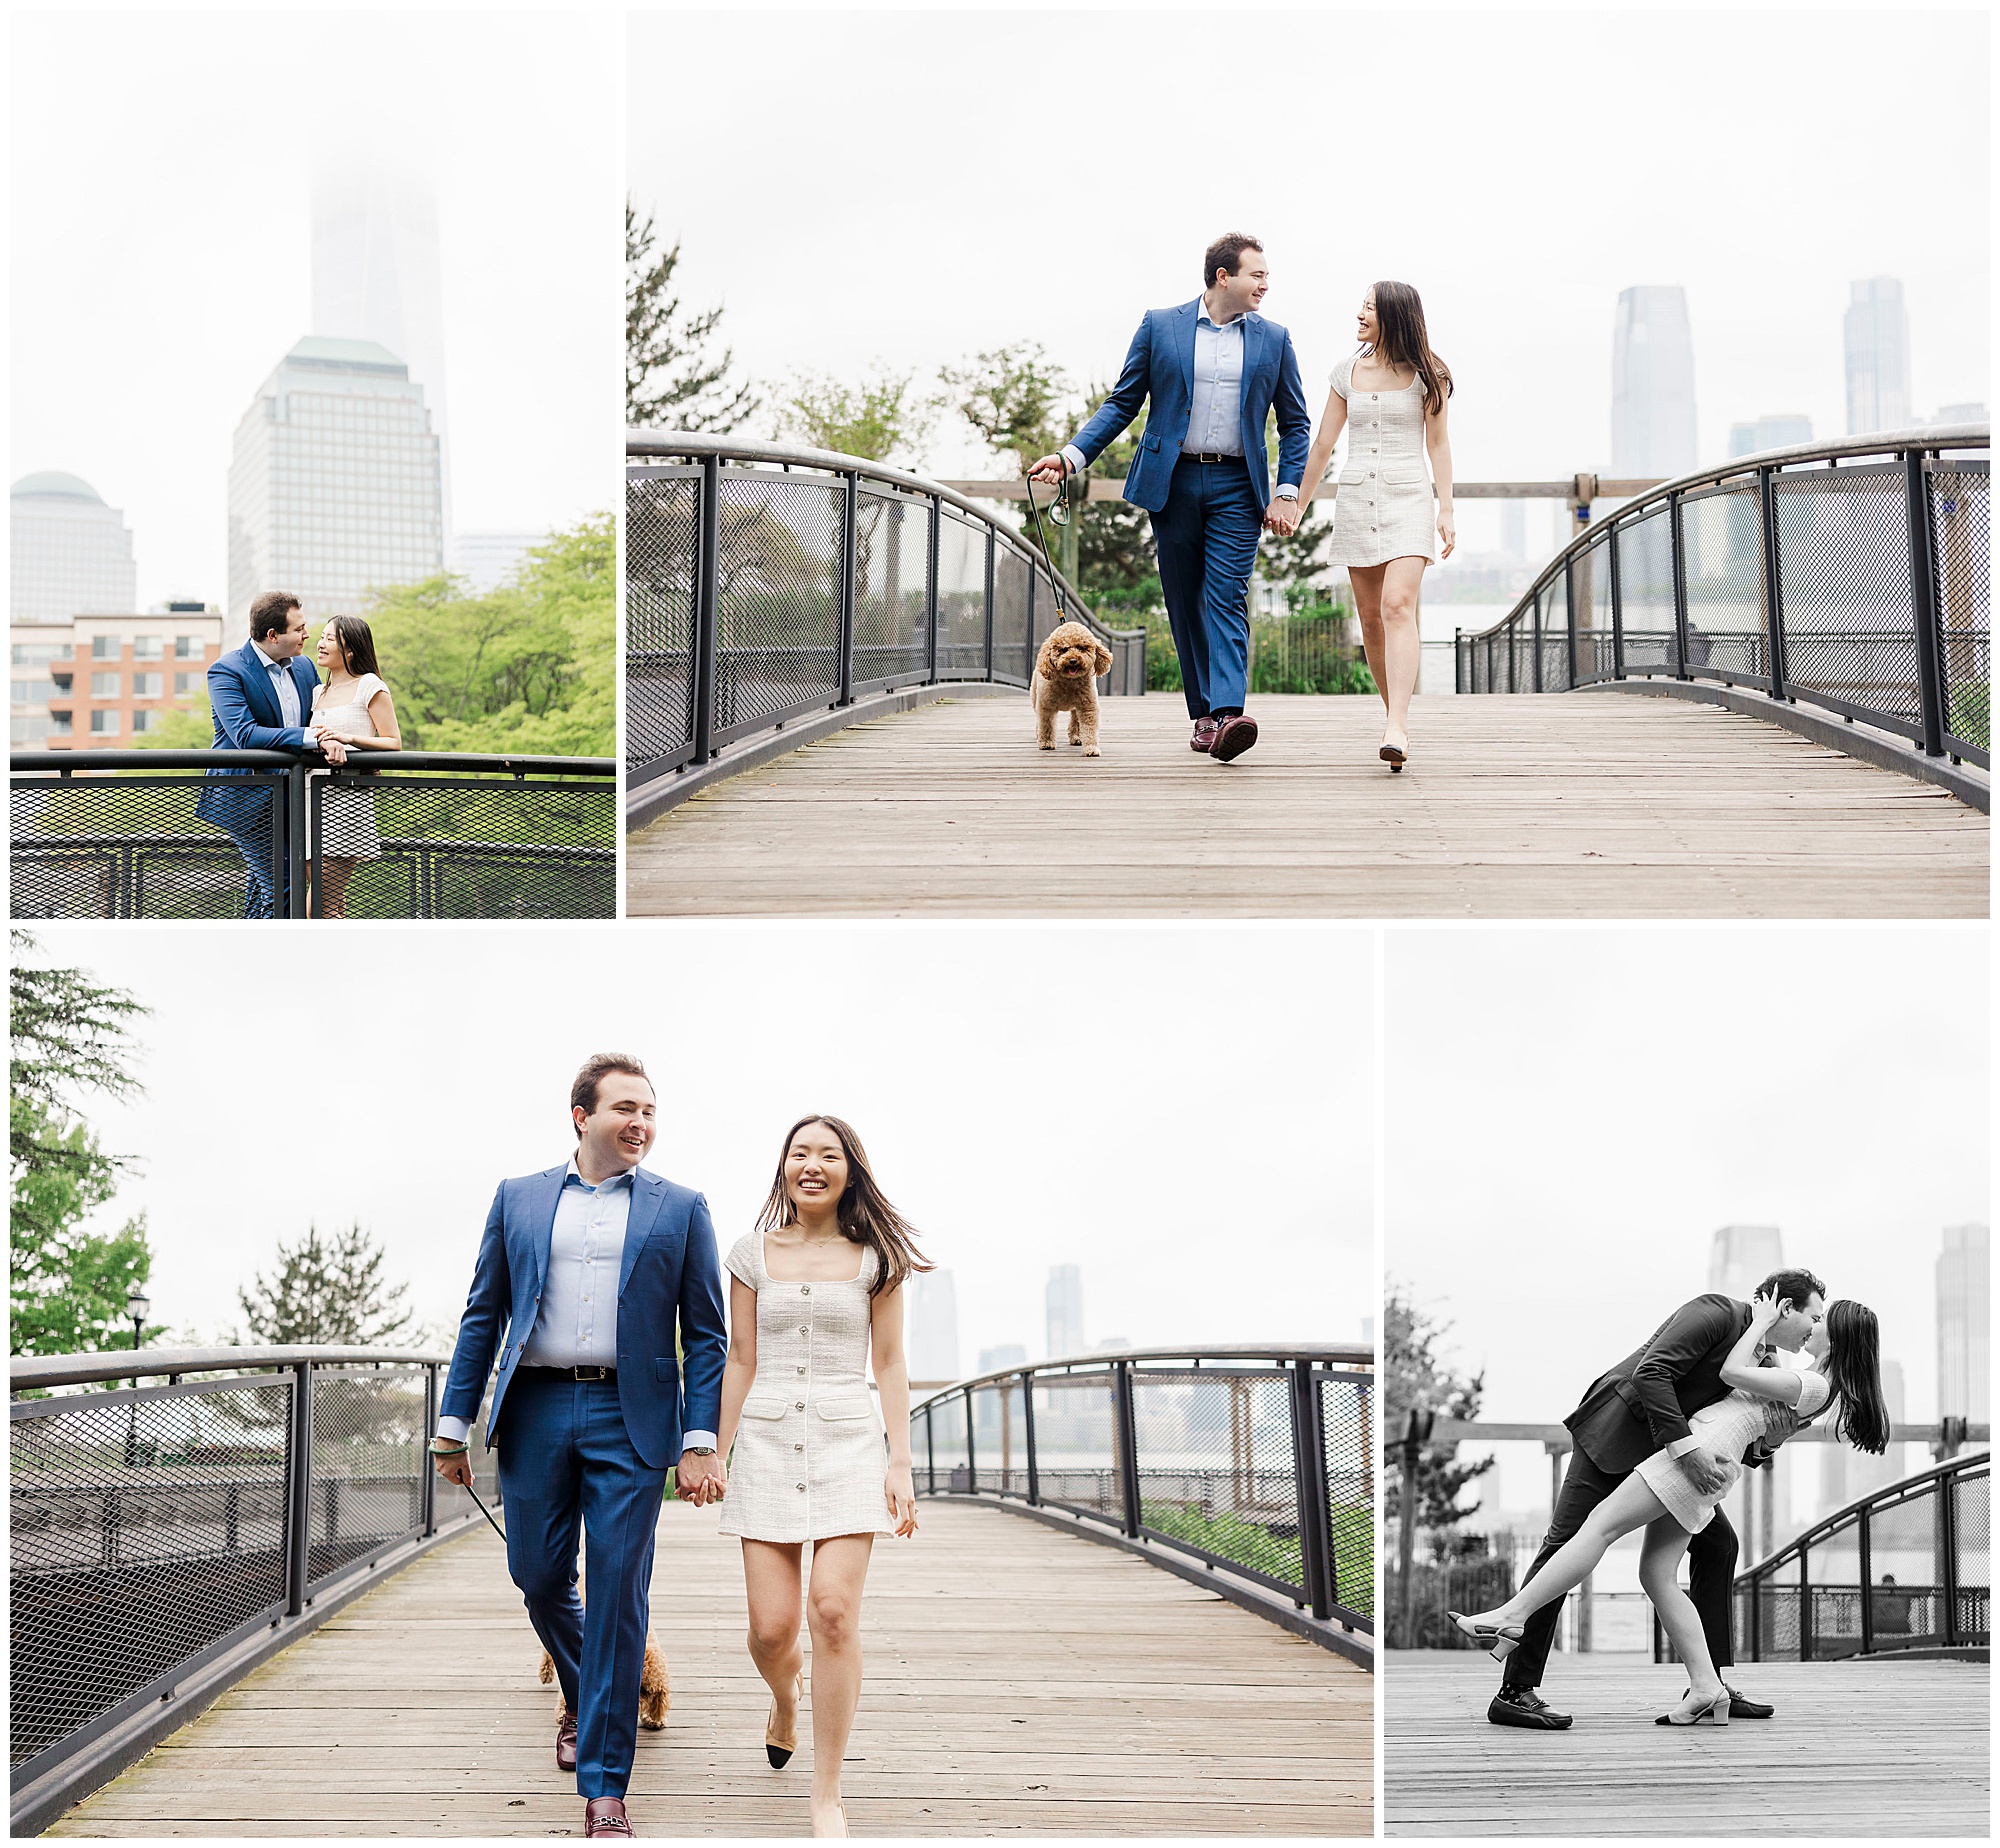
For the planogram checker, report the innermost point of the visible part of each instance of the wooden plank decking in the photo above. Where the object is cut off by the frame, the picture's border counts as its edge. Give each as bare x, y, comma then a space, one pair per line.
1580, 805
1019, 1681
1857, 1749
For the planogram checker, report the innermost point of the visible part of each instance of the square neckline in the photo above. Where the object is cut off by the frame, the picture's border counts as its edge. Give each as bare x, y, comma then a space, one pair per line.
764, 1264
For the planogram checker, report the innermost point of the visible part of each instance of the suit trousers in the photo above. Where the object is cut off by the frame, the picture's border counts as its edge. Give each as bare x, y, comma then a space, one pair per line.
1711, 1574
566, 1459
1206, 537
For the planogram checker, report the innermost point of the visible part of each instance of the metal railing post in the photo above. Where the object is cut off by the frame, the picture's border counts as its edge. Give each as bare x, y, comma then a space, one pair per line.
1309, 1484
930, 1451
298, 1501
1614, 546
423, 1459
1458, 660
1028, 1430
707, 577
1677, 539
971, 1450
1774, 596
1535, 614
931, 595
295, 840
1805, 1600
1947, 1507
1128, 1446
992, 572
1923, 603
849, 536
1864, 1543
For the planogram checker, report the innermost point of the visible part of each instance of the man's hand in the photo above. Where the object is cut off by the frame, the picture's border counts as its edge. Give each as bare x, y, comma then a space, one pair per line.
1706, 1472
1049, 469
454, 1466
1282, 517
699, 1479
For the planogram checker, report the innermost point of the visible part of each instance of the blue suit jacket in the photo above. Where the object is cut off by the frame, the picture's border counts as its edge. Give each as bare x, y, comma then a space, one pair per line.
248, 718
1161, 364
671, 1275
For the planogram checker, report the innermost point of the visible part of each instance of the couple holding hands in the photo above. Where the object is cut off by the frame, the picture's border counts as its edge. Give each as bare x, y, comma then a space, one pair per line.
598, 1293
1215, 370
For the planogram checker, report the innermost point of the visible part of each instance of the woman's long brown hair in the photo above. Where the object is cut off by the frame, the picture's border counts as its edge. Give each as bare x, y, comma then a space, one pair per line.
1402, 340
1854, 1371
866, 1217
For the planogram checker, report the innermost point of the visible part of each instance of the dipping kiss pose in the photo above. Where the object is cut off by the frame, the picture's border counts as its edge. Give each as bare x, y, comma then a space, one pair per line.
815, 1293
1387, 523
1765, 1405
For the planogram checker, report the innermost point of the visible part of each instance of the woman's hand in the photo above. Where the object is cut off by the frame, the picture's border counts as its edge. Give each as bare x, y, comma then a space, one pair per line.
1764, 1310
1447, 534
900, 1492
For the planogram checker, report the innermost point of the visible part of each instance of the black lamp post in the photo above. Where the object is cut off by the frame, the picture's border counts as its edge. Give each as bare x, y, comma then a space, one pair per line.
137, 1306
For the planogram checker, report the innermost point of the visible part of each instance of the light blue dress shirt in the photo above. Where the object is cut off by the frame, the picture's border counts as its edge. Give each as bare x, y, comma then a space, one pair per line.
282, 684
577, 1323
1215, 411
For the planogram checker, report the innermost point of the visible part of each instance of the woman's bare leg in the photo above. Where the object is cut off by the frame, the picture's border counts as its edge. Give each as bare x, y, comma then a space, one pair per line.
1366, 583
333, 877
1629, 1506
833, 1610
771, 1580
1402, 646
1660, 1573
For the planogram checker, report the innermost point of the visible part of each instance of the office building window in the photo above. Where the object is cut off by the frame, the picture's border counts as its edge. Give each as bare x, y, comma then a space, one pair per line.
146, 647
104, 724
147, 686
184, 684
144, 721
188, 648
104, 686
105, 647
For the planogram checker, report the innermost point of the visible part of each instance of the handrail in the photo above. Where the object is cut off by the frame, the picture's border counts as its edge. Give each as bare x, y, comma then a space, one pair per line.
470, 761
30, 1372
1247, 1468
1921, 670
759, 594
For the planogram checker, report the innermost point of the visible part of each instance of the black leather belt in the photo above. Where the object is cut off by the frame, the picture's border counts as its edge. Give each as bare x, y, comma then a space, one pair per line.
1191, 455
572, 1373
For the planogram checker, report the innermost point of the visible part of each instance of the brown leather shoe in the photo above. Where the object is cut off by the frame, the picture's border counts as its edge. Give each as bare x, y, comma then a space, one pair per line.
1204, 734
566, 1741
605, 1816
1233, 738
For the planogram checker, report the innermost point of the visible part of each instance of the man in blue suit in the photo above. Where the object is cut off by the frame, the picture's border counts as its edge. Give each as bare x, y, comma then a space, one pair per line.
1214, 369
261, 697
590, 1278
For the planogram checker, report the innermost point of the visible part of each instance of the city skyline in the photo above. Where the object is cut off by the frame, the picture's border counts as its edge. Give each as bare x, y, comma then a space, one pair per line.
158, 272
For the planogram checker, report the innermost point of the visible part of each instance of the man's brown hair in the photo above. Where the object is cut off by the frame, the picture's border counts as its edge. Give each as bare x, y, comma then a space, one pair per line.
583, 1093
271, 613
1226, 254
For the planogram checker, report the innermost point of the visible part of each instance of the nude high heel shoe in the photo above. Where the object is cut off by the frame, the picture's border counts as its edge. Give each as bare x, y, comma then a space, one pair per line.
1691, 1709
778, 1752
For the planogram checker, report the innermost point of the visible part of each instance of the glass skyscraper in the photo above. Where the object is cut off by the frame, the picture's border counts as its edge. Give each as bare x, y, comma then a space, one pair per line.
1964, 1324
334, 487
1877, 331
1652, 385
1065, 1311
71, 554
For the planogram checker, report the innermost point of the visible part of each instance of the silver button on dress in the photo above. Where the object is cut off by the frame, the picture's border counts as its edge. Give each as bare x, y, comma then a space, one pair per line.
811, 1457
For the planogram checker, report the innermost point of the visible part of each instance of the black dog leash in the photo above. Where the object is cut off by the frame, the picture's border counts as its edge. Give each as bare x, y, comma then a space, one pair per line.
1055, 576
488, 1512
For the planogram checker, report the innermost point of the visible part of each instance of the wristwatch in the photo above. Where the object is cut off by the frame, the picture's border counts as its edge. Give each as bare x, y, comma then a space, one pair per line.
701, 1450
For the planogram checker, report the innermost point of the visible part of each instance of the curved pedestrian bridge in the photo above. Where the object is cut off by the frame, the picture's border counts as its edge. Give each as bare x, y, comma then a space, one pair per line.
1585, 804
1869, 1746
1018, 1681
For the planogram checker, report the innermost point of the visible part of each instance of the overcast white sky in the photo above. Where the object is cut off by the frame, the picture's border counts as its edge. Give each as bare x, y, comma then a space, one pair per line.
1029, 1097
161, 248
1573, 1113
890, 188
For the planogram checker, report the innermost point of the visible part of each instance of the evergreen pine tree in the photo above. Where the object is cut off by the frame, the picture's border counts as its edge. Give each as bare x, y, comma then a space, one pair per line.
670, 382
326, 1292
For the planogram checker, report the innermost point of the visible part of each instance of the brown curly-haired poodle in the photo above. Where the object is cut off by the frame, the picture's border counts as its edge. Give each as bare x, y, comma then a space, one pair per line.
1066, 681
655, 1697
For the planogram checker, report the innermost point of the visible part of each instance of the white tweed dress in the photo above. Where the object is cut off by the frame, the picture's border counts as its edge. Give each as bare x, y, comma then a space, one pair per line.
1386, 506
1727, 1429
811, 1457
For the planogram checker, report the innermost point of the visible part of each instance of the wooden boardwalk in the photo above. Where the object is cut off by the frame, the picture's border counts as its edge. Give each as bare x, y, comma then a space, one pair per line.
1019, 1681
1857, 1748
1579, 805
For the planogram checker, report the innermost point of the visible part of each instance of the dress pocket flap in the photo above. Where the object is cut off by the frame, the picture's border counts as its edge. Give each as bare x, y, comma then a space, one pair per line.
1352, 477
767, 1408
1405, 478
842, 1409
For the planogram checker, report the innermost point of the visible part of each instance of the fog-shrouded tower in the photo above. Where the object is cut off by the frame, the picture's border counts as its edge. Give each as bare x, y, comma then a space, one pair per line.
375, 269
1964, 1324
68, 553
933, 1332
1652, 384
1741, 1257
1877, 337
1065, 1311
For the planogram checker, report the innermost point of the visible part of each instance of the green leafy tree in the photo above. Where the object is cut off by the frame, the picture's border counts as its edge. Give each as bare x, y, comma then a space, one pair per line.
1419, 1379
881, 419
326, 1291
529, 667
672, 379
70, 1035
189, 727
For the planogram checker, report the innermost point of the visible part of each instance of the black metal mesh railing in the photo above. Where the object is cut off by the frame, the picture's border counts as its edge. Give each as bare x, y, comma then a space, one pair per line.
765, 582
214, 834
1852, 576
1908, 1567
154, 1528
1259, 1464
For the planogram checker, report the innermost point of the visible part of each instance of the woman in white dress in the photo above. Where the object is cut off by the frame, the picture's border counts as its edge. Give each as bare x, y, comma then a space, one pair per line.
1388, 523
352, 703
1767, 1403
815, 1294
